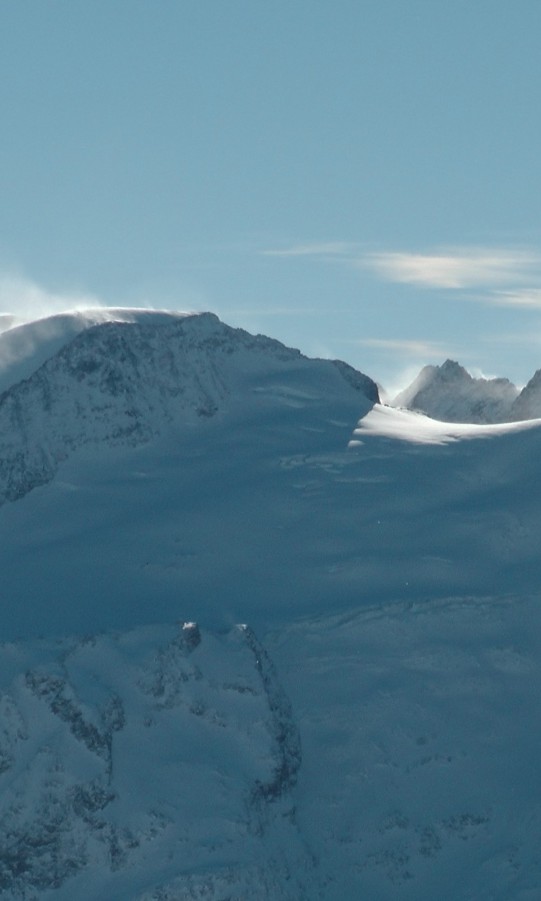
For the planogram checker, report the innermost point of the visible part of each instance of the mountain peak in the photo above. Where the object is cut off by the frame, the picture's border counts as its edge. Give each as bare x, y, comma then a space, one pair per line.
127, 381
449, 393
450, 368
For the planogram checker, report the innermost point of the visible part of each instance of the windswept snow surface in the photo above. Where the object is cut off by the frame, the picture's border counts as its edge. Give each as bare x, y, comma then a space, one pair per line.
417, 428
248, 518
371, 733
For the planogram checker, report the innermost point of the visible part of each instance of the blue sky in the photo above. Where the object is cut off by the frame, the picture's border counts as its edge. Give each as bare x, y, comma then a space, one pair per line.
358, 178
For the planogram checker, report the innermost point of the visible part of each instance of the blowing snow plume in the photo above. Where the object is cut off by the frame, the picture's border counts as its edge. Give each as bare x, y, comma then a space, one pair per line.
35, 323
22, 299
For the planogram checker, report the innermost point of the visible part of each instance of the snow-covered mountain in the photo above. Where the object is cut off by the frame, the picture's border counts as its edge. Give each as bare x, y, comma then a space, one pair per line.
449, 393
262, 637
127, 382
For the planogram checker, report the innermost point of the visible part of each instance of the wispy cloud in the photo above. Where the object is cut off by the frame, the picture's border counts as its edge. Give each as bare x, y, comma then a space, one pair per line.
328, 249
405, 347
526, 297
457, 268
504, 276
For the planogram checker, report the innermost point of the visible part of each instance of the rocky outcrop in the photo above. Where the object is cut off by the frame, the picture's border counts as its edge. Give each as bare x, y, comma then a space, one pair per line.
288, 754
122, 753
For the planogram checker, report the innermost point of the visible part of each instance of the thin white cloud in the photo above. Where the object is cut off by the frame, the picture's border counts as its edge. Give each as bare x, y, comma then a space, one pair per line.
411, 348
521, 297
456, 268
503, 276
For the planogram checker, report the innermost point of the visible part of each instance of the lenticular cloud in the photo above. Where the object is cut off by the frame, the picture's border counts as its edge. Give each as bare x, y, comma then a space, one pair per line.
456, 268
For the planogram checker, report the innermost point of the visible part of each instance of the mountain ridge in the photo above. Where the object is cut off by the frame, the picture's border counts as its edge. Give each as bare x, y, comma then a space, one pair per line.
123, 382
448, 392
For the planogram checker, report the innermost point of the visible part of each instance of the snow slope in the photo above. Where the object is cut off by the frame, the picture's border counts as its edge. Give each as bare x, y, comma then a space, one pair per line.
371, 733
420, 723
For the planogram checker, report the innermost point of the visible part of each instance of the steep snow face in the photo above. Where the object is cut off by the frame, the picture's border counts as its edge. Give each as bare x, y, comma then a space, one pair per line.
126, 383
528, 403
449, 393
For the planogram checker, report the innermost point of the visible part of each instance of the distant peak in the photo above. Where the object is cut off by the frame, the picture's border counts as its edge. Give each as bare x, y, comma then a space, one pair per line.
451, 367
449, 393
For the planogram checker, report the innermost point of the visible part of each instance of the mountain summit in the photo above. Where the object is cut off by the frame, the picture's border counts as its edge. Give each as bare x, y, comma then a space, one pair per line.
127, 382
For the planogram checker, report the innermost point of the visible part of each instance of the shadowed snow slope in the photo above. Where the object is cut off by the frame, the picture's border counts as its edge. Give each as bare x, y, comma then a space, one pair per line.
371, 732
